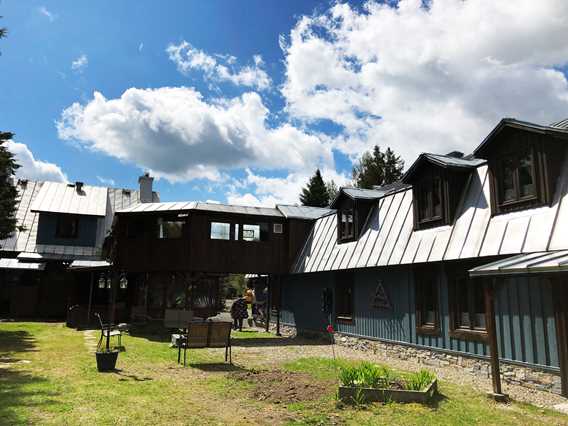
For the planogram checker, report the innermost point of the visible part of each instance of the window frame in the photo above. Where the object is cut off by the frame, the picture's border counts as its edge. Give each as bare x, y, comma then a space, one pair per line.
344, 283
230, 235
261, 232
423, 192
345, 235
421, 277
75, 224
161, 220
457, 330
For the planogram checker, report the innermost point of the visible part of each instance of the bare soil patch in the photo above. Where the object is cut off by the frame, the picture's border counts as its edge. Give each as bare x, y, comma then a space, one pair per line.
283, 387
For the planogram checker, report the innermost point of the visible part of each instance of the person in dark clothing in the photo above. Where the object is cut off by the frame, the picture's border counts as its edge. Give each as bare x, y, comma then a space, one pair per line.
239, 311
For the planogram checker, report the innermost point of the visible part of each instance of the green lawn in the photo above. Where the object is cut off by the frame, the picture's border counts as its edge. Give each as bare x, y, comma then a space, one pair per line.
47, 376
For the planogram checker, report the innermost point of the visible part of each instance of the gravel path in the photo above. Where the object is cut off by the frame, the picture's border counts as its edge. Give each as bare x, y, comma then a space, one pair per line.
272, 351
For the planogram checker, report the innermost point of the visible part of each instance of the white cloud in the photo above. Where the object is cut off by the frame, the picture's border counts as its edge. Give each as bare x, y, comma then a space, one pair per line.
80, 63
106, 181
49, 15
258, 190
436, 78
176, 134
33, 169
219, 68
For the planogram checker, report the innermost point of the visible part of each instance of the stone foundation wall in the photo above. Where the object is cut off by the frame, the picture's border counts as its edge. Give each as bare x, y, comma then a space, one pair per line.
510, 373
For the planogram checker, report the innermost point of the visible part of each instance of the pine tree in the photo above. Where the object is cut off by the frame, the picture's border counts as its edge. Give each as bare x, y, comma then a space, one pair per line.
8, 192
315, 193
377, 168
332, 190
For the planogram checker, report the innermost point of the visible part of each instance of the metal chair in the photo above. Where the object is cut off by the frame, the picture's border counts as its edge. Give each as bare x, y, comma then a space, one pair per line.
108, 330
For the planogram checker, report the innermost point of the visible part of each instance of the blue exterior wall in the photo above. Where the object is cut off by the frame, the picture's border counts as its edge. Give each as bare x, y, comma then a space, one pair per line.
86, 235
523, 312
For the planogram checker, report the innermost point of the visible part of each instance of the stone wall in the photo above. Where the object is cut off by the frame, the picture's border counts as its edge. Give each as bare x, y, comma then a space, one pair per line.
510, 373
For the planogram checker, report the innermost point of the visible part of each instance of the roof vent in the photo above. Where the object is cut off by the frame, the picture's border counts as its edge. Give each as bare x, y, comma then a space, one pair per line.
79, 187
455, 154
23, 183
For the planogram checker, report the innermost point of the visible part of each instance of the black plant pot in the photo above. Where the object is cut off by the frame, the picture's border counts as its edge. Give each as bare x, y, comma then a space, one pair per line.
106, 361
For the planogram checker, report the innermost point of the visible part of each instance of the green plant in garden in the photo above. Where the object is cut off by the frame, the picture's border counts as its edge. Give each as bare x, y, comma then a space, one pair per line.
348, 375
419, 381
366, 375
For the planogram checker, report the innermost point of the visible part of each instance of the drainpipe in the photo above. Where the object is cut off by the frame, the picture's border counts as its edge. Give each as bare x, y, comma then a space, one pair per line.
489, 290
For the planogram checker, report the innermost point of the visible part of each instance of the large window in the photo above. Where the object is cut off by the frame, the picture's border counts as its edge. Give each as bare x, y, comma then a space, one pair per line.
467, 307
67, 226
257, 232
430, 201
344, 296
346, 225
170, 229
427, 301
516, 176
220, 231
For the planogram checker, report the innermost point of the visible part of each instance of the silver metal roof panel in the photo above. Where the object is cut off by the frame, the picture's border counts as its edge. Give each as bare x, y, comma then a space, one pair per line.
57, 197
16, 264
548, 261
303, 212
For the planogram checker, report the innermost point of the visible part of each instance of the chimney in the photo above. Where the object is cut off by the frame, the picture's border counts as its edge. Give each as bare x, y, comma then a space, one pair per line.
455, 154
145, 182
79, 187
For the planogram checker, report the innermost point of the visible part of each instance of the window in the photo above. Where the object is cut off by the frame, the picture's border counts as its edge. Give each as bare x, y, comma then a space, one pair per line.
344, 296
278, 228
516, 177
467, 306
429, 196
220, 231
255, 233
346, 225
67, 226
427, 305
236, 232
170, 229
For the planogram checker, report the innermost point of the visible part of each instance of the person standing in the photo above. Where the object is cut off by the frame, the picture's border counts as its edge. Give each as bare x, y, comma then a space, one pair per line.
239, 312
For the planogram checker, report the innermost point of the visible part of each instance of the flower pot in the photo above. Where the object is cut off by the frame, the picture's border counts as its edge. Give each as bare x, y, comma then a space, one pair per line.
106, 361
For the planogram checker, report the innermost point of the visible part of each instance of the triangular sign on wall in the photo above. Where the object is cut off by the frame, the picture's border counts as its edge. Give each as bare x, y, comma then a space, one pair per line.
380, 299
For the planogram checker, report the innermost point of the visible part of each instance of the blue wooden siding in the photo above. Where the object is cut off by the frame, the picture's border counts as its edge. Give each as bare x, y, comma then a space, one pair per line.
524, 313
86, 234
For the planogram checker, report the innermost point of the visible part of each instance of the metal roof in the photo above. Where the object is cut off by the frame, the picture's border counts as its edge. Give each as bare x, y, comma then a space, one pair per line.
303, 212
89, 264
444, 161
365, 194
547, 261
192, 205
388, 237
153, 207
224, 208
57, 197
23, 240
562, 124
16, 264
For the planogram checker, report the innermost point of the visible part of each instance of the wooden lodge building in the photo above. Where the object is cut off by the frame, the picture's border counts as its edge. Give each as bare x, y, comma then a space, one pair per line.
464, 261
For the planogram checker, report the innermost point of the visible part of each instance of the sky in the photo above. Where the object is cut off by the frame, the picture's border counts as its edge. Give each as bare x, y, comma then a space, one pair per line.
240, 102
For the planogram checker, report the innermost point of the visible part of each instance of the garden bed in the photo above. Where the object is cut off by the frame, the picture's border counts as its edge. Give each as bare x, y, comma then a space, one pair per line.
368, 382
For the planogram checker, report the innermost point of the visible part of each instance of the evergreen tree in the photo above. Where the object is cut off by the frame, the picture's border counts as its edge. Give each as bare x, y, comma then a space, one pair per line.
377, 168
332, 190
8, 192
315, 193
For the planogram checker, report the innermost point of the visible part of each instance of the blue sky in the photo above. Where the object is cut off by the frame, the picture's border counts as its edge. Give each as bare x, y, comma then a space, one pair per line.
327, 81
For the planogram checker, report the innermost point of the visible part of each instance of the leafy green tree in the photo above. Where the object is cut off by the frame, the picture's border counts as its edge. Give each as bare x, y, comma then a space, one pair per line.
315, 193
8, 192
332, 190
377, 168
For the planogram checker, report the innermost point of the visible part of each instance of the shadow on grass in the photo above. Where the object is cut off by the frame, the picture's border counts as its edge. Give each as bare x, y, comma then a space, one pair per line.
436, 400
213, 367
124, 377
19, 390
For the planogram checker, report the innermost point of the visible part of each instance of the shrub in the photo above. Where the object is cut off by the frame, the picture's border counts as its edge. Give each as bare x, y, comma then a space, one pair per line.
419, 381
348, 375
366, 375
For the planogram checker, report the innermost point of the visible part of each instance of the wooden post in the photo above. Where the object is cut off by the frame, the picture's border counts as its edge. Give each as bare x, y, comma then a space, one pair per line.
267, 306
89, 306
278, 306
492, 340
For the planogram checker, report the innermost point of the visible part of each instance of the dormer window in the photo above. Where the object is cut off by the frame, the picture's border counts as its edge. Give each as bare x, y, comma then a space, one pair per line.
67, 226
346, 225
516, 180
430, 200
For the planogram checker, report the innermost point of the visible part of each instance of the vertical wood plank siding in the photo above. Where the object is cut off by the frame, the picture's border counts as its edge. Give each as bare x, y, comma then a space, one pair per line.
524, 313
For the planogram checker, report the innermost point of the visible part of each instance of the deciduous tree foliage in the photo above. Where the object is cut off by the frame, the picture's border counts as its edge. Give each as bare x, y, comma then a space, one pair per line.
332, 190
377, 168
8, 192
315, 193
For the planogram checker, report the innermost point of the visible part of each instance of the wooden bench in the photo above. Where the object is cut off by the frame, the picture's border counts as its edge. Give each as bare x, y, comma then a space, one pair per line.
206, 334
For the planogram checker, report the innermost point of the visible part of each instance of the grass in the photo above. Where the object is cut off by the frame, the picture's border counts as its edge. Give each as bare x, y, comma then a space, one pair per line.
47, 376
